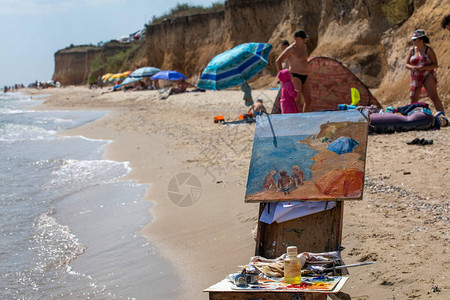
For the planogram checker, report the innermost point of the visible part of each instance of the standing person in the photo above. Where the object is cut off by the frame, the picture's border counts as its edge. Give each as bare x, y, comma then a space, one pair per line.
297, 55
276, 109
91, 80
288, 93
422, 61
100, 81
446, 22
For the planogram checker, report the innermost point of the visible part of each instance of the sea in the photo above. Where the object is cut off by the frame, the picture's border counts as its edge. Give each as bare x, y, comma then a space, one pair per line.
282, 154
69, 222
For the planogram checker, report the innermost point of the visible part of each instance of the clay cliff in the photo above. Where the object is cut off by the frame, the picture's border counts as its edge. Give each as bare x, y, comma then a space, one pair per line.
73, 64
370, 37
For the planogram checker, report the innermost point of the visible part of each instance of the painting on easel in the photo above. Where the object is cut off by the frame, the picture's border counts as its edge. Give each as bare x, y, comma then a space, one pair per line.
309, 156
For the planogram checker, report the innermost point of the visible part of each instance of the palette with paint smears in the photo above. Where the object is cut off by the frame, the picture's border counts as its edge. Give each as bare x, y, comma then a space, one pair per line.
321, 283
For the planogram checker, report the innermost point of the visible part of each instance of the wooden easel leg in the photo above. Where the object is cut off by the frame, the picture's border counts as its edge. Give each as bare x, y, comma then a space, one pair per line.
340, 296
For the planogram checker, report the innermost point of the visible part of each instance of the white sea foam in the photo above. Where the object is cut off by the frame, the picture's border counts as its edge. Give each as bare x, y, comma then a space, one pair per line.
20, 132
76, 173
55, 243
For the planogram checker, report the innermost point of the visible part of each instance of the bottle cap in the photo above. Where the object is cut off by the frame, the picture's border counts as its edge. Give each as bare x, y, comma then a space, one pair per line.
292, 250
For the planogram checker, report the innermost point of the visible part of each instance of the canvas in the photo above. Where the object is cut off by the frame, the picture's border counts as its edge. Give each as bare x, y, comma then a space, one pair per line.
309, 156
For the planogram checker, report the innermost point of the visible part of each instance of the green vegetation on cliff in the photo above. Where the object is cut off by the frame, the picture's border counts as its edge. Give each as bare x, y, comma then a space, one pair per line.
397, 11
103, 64
186, 9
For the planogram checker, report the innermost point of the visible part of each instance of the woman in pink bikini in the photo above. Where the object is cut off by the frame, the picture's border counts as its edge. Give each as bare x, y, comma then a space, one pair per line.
422, 61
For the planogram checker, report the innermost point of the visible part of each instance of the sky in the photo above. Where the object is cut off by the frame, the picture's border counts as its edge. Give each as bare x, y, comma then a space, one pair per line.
302, 124
32, 31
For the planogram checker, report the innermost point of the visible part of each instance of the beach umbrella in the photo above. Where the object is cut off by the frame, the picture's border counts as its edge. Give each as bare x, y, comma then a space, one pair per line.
235, 66
341, 182
145, 72
343, 145
106, 77
129, 80
126, 74
168, 75
117, 76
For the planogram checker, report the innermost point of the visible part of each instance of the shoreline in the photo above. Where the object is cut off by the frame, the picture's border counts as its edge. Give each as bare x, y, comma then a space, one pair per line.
208, 240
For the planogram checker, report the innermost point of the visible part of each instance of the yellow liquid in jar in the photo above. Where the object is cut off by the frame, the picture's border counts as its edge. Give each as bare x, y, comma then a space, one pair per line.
292, 270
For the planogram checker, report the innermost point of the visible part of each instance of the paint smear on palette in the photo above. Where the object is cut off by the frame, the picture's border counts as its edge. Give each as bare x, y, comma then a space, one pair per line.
321, 283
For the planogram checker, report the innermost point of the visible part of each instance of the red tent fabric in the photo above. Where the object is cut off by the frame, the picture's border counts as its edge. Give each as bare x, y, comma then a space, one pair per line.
331, 83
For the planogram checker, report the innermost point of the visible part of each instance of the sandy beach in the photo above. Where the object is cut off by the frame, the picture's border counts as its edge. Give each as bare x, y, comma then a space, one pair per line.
402, 222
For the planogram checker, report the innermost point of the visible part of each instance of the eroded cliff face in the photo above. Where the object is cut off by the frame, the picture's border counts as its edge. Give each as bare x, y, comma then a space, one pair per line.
72, 66
356, 32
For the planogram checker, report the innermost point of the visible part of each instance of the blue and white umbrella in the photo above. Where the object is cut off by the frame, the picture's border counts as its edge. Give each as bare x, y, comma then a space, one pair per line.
235, 66
168, 75
129, 80
145, 72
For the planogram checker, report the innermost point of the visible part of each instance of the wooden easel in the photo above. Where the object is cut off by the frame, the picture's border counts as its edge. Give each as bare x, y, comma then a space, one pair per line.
318, 232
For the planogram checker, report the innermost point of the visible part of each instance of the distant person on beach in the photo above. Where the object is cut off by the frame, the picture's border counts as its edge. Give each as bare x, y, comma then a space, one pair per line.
288, 93
140, 86
116, 87
257, 109
270, 181
297, 55
445, 24
276, 109
181, 88
91, 81
100, 81
422, 61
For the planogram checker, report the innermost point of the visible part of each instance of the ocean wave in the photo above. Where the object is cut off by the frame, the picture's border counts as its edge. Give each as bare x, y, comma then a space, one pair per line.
18, 132
55, 243
73, 174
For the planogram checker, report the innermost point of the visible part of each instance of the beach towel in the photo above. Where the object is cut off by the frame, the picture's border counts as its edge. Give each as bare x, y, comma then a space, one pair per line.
284, 211
247, 94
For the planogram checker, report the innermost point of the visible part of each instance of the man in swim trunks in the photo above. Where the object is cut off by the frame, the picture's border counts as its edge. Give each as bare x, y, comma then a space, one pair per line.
297, 55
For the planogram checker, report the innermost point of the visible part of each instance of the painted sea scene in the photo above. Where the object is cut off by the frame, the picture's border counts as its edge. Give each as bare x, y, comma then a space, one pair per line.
310, 156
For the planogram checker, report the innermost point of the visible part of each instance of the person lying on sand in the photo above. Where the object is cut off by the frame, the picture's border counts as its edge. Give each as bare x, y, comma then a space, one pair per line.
181, 88
139, 86
115, 88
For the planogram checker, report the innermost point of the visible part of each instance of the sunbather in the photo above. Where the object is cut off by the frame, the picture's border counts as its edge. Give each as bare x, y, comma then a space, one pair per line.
181, 88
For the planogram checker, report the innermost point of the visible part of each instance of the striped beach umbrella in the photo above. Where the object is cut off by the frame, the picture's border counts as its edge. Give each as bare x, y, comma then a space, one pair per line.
235, 66
145, 72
